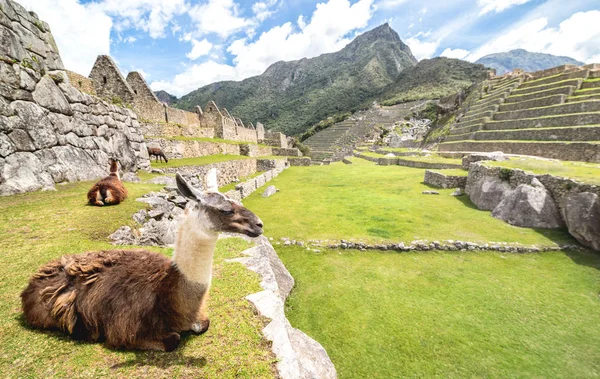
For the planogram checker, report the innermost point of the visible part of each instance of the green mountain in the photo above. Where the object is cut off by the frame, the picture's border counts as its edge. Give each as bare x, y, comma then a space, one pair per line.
519, 58
432, 79
165, 97
292, 96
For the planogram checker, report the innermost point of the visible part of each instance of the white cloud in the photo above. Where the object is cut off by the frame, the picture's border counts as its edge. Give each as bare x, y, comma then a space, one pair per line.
152, 16
199, 48
263, 9
144, 74
82, 32
576, 37
498, 5
130, 39
421, 49
388, 4
220, 17
326, 32
454, 53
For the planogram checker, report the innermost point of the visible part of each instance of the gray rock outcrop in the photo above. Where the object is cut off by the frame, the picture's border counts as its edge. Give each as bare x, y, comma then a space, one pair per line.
529, 206
270, 191
487, 192
581, 213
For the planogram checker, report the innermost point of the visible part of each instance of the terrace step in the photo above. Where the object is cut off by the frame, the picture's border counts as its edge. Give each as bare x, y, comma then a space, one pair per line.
567, 108
567, 133
488, 105
591, 84
478, 115
478, 121
566, 90
572, 151
589, 91
466, 129
535, 103
544, 87
583, 74
577, 119
584, 97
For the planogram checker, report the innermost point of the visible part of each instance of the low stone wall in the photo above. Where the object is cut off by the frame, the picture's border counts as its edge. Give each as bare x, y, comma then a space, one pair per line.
390, 161
245, 134
299, 161
149, 110
439, 180
191, 149
229, 171
275, 139
286, 152
269, 164
246, 188
557, 150
557, 186
157, 129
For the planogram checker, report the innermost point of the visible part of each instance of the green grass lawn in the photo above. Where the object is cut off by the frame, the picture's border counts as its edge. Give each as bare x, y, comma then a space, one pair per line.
430, 158
449, 315
581, 171
366, 202
198, 161
41, 226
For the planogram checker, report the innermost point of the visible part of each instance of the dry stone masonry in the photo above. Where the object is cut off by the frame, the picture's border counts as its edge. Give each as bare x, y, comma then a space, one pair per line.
50, 132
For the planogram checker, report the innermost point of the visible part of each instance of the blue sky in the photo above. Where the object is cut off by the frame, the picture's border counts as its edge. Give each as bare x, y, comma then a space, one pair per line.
180, 45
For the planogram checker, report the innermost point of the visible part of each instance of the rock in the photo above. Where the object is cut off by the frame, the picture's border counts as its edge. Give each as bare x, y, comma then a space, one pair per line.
49, 96
269, 191
165, 180
140, 216
581, 213
346, 161
130, 177
390, 155
179, 201
23, 172
529, 206
156, 213
6, 146
458, 192
487, 193
157, 171
430, 193
159, 233
21, 140
123, 236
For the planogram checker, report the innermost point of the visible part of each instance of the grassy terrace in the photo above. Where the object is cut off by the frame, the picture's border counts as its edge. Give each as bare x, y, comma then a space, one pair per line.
205, 139
231, 186
366, 202
38, 227
197, 161
580, 171
449, 315
432, 158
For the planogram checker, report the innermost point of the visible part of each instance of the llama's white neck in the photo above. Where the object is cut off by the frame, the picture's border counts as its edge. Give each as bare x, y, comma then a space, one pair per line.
195, 248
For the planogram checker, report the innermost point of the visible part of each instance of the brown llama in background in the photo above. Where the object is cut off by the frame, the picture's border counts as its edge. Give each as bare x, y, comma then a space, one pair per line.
109, 190
158, 153
137, 299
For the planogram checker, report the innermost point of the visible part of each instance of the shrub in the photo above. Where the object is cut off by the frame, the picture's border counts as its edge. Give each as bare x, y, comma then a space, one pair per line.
505, 174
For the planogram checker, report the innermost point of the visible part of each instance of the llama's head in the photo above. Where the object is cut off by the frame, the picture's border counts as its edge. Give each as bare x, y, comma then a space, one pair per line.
221, 213
114, 168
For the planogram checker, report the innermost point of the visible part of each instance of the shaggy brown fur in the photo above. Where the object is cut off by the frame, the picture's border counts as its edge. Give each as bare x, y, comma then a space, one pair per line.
109, 190
133, 299
157, 152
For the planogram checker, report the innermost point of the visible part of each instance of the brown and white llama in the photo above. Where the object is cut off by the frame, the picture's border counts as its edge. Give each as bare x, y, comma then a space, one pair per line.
138, 299
109, 190
158, 154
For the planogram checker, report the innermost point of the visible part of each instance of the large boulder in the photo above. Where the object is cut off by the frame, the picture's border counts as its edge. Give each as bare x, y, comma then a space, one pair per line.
23, 172
581, 213
488, 191
529, 206
48, 95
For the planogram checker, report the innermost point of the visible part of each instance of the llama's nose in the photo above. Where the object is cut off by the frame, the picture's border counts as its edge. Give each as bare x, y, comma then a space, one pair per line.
259, 224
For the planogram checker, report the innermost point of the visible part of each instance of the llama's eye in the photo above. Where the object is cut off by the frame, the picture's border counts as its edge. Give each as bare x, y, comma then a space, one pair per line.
227, 213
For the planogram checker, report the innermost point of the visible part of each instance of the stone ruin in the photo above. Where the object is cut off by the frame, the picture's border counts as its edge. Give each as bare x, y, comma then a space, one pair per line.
50, 131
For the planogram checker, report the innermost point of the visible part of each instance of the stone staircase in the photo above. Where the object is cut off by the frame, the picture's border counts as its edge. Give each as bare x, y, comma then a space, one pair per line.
339, 140
553, 113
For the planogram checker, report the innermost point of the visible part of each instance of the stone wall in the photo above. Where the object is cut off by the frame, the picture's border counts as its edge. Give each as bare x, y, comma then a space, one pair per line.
151, 112
229, 171
83, 84
179, 116
299, 161
109, 82
439, 180
140, 88
248, 187
286, 152
269, 164
26, 40
157, 129
275, 139
50, 132
190, 149
557, 186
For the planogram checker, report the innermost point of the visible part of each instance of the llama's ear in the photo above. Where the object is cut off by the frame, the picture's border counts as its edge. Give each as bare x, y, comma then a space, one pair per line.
211, 180
185, 189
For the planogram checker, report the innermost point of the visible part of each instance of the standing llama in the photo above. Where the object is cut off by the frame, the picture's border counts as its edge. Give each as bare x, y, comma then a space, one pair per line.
109, 190
158, 154
138, 299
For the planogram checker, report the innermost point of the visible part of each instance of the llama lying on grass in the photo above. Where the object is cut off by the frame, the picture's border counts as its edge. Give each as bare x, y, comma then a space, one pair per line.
139, 299
158, 153
109, 190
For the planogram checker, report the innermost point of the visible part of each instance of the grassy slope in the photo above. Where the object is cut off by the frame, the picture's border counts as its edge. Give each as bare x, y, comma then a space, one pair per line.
39, 227
581, 171
449, 315
373, 203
